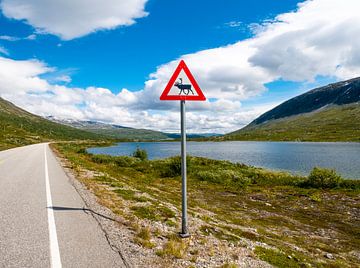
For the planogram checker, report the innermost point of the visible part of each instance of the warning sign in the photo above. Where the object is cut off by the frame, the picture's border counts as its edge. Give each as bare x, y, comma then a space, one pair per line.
182, 86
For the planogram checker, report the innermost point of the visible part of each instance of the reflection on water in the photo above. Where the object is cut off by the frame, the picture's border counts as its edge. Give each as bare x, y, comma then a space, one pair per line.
296, 157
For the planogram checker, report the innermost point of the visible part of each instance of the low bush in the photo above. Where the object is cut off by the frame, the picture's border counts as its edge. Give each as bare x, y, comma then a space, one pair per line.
172, 167
350, 184
125, 161
226, 177
101, 159
82, 151
141, 154
323, 178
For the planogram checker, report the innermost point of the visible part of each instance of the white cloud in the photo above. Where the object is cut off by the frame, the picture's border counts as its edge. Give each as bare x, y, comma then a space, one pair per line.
9, 38
233, 24
63, 78
4, 51
320, 38
21, 83
70, 19
15, 38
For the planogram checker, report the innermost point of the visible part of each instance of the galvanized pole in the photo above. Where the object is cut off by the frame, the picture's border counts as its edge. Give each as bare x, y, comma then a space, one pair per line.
184, 228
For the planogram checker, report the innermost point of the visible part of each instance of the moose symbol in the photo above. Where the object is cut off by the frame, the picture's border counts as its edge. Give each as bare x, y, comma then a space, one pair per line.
184, 88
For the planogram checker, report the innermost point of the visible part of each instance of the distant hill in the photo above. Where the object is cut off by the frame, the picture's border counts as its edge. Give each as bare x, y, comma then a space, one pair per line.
329, 113
114, 131
19, 127
194, 135
121, 132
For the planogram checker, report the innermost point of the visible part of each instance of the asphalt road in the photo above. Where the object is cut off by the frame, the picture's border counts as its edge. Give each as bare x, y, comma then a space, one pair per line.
42, 221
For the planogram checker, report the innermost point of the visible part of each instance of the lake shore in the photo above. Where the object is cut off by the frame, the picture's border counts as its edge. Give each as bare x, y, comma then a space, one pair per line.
236, 211
294, 157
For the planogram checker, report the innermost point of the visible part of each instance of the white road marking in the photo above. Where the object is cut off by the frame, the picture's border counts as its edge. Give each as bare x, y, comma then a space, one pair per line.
54, 246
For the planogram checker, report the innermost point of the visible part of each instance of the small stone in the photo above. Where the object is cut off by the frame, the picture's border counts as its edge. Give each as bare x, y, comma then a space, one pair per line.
329, 256
268, 204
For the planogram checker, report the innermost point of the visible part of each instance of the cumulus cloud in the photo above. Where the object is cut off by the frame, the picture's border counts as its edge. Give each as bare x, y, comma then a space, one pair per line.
21, 83
318, 39
70, 19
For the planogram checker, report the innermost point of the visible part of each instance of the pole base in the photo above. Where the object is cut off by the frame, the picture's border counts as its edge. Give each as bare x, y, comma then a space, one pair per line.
186, 235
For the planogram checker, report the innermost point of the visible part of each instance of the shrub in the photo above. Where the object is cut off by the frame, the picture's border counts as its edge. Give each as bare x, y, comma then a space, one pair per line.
125, 161
82, 151
141, 154
350, 184
101, 159
323, 178
173, 167
225, 177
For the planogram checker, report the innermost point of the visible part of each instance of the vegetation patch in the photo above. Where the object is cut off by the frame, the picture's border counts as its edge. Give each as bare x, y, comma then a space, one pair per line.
140, 154
175, 247
153, 212
278, 258
292, 217
143, 238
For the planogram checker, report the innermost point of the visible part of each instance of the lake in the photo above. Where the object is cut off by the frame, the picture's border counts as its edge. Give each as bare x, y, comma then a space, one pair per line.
294, 157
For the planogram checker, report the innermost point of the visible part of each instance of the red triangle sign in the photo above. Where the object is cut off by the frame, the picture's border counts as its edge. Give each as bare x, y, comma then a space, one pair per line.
182, 86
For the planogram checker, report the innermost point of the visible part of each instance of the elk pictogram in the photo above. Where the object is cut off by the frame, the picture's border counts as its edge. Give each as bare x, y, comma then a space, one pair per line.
184, 88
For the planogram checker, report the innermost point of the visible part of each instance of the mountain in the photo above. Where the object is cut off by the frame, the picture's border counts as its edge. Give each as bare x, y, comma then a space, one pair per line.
113, 131
329, 113
194, 135
19, 127
121, 132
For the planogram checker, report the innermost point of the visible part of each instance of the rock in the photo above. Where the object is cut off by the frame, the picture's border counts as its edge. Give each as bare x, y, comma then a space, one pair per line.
329, 256
289, 257
268, 204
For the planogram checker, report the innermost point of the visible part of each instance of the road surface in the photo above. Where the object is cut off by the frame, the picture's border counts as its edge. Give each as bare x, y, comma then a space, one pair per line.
42, 221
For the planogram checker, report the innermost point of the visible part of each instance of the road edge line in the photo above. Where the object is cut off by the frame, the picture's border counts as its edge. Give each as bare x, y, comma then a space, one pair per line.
54, 245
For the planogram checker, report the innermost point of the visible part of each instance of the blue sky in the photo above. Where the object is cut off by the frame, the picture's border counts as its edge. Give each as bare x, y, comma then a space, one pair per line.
124, 57
106, 52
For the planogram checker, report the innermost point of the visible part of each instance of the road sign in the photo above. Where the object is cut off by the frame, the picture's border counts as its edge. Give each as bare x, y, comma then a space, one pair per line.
182, 86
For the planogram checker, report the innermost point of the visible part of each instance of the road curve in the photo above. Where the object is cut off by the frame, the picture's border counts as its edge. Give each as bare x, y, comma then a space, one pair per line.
42, 221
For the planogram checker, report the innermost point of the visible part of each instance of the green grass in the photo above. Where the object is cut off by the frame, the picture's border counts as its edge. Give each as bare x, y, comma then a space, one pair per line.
334, 123
175, 247
278, 258
237, 202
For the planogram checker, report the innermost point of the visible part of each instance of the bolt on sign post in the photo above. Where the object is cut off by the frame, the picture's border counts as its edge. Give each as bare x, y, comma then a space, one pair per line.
182, 87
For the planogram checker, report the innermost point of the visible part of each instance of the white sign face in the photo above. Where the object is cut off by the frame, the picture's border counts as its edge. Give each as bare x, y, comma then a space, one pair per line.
182, 86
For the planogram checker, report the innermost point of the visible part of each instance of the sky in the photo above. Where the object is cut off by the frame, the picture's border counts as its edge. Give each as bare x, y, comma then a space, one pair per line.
109, 60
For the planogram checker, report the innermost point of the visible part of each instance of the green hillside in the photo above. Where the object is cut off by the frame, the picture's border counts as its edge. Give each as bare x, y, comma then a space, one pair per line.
131, 133
114, 131
331, 123
18, 127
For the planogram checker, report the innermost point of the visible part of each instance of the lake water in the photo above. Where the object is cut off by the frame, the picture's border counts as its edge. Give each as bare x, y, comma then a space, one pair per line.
295, 157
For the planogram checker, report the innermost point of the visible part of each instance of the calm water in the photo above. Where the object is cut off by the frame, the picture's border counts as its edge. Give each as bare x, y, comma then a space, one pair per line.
296, 157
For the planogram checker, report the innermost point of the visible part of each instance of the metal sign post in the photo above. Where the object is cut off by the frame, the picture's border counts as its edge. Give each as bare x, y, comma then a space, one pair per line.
186, 83
184, 227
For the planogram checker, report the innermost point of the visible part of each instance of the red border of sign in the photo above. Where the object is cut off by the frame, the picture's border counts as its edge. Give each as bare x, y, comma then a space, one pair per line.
182, 66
